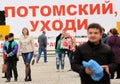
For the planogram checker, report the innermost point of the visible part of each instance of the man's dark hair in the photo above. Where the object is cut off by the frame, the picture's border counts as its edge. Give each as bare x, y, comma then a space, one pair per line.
96, 26
44, 32
103, 29
6, 37
10, 35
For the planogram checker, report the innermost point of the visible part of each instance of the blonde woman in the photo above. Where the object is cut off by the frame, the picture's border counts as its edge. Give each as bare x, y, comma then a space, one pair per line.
27, 50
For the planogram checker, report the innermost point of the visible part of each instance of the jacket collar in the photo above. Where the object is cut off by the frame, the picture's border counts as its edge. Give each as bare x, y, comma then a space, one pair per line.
92, 45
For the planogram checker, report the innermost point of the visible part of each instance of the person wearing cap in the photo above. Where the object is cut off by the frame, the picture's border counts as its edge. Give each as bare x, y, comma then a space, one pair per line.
98, 51
10, 50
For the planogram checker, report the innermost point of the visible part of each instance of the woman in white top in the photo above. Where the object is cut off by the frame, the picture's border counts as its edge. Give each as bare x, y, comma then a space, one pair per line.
27, 50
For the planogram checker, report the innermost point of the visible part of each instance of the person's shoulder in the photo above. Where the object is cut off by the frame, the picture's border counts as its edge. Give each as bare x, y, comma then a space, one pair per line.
21, 36
31, 37
111, 38
5, 43
119, 37
44, 36
41, 35
82, 45
118, 41
105, 46
15, 42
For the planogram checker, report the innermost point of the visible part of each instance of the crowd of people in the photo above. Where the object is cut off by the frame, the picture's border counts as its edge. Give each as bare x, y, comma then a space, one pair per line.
103, 48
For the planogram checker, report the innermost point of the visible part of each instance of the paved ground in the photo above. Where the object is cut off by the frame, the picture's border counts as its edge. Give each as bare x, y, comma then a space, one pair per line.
45, 73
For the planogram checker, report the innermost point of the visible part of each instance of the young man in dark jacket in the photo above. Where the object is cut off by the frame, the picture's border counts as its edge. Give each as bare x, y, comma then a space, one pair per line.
96, 50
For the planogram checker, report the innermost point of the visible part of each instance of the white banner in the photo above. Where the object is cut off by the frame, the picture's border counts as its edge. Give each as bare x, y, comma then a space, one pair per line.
55, 15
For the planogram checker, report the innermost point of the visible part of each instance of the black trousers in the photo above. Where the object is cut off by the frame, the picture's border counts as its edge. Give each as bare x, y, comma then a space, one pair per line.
91, 82
118, 73
11, 65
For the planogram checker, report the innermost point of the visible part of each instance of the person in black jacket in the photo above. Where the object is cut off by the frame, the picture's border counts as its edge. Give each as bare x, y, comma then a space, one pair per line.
96, 50
10, 49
